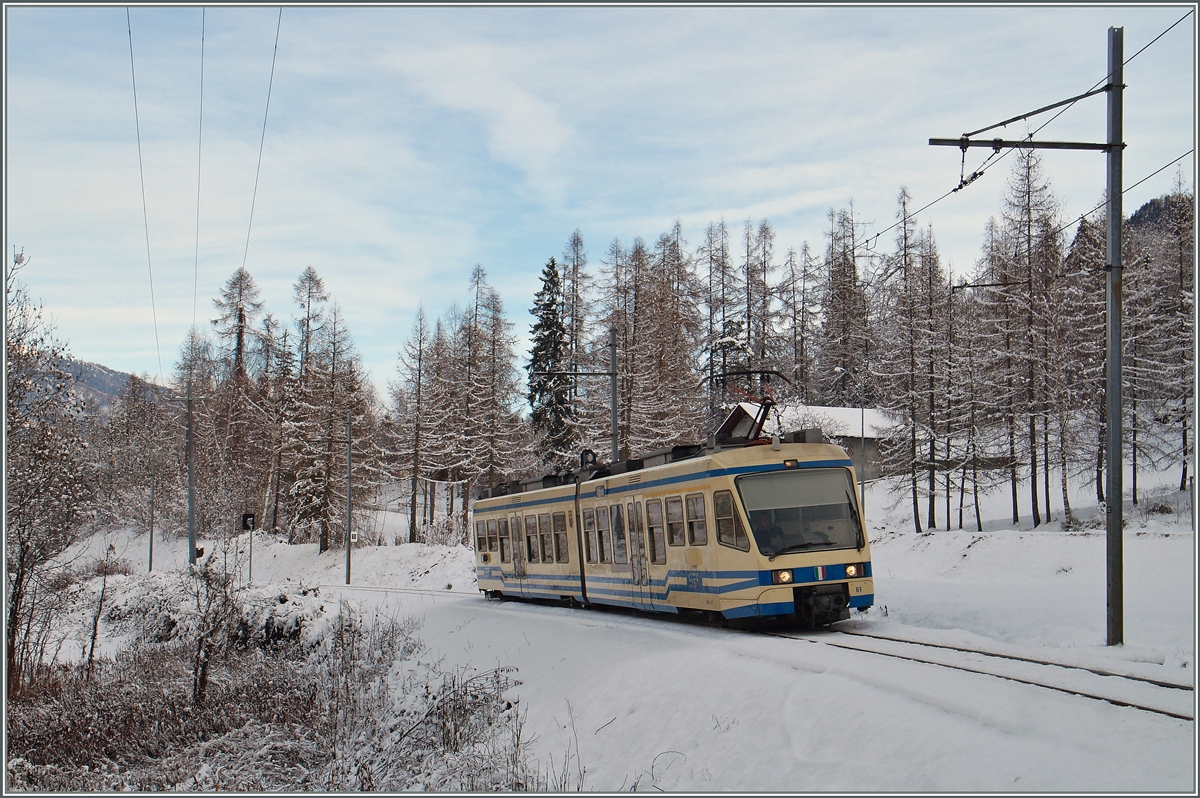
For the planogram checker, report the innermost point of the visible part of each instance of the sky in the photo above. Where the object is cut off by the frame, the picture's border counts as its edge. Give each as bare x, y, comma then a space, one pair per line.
405, 145
636, 698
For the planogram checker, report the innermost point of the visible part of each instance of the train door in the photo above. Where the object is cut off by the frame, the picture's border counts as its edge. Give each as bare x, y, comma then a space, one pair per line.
656, 548
532, 551
518, 553
637, 553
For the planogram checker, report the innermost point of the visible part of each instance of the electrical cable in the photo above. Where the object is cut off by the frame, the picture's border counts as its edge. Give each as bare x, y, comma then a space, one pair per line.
1042, 237
998, 156
257, 171
1123, 193
142, 176
199, 149
1106, 79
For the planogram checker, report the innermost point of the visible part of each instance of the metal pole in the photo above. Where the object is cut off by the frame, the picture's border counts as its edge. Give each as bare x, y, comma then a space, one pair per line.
862, 445
151, 568
191, 466
1112, 384
349, 416
612, 366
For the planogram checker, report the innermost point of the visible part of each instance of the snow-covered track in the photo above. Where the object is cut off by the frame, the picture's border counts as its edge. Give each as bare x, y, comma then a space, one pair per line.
1126, 690
1020, 658
388, 589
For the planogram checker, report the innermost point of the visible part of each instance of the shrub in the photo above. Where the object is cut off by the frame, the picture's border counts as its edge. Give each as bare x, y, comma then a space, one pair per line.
302, 694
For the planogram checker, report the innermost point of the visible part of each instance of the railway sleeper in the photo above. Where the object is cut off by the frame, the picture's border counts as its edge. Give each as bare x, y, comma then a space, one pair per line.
820, 605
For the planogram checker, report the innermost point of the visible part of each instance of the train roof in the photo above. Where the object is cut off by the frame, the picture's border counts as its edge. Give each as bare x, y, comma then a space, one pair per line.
741, 431
803, 446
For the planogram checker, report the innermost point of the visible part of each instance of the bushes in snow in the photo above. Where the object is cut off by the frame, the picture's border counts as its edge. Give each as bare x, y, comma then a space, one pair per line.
301, 694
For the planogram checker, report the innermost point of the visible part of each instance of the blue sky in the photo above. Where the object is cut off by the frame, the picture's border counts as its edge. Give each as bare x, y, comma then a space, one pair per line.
406, 144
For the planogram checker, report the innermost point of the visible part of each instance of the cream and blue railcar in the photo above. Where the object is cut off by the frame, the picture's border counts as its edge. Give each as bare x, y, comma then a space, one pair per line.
678, 536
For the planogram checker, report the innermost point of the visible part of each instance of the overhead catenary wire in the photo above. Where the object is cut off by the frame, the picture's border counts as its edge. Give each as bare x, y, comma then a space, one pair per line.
142, 178
266, 112
1076, 220
1083, 216
199, 151
999, 155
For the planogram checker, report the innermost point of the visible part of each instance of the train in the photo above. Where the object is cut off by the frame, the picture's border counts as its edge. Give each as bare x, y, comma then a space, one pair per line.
738, 528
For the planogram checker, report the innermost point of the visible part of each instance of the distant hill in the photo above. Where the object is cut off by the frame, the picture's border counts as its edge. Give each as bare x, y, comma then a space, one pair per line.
1154, 212
99, 385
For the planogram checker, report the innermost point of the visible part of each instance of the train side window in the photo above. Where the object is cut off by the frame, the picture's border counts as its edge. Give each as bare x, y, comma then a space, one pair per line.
620, 552
493, 539
730, 531
505, 545
480, 537
604, 534
560, 537
531, 539
675, 521
656, 540
696, 526
547, 537
589, 537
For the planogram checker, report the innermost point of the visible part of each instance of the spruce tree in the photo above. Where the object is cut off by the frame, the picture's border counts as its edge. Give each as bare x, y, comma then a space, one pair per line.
549, 387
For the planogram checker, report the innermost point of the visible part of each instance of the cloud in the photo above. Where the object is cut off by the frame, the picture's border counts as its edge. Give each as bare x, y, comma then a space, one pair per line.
407, 144
523, 130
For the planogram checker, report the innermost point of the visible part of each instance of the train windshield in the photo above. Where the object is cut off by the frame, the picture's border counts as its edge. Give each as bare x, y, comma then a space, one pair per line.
810, 509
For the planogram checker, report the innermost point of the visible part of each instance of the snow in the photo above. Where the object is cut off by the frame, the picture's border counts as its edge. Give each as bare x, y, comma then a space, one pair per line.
628, 700
837, 421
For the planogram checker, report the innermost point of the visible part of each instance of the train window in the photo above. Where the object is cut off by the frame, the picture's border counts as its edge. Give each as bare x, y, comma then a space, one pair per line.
589, 536
637, 541
531, 539
656, 540
730, 531
560, 537
812, 508
620, 554
480, 537
493, 540
696, 527
505, 546
547, 537
675, 521
603, 533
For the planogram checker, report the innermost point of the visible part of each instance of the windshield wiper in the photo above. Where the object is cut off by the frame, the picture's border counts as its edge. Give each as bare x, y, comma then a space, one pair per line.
800, 546
861, 538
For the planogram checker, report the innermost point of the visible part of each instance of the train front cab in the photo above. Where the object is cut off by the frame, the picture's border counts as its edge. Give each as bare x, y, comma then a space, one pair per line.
815, 560
676, 538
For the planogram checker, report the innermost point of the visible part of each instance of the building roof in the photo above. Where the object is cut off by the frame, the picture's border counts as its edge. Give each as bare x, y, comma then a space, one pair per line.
834, 421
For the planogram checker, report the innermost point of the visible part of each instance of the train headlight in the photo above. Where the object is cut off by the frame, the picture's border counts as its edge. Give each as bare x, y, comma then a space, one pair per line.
853, 571
781, 577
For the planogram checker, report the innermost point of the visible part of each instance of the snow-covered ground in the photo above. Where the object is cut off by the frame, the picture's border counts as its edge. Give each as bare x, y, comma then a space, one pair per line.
638, 701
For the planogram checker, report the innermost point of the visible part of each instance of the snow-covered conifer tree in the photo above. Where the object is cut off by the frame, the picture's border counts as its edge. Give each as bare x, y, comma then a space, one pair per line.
549, 384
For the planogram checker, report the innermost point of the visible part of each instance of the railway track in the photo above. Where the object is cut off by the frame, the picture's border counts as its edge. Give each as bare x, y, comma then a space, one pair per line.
388, 589
1135, 691
1173, 699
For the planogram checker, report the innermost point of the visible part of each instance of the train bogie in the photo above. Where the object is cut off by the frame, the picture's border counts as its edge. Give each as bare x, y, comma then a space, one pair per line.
753, 532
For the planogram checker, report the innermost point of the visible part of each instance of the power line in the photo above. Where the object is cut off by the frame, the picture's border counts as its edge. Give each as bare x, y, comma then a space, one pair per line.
199, 148
142, 176
1123, 193
257, 171
1042, 238
1106, 79
998, 156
